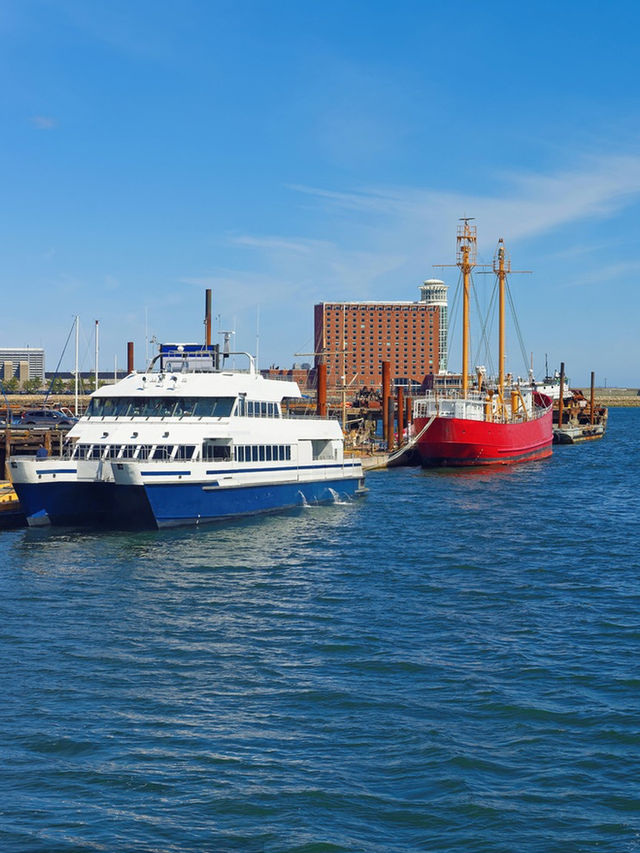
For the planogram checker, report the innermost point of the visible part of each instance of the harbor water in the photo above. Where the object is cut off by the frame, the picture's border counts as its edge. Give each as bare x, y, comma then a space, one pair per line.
449, 664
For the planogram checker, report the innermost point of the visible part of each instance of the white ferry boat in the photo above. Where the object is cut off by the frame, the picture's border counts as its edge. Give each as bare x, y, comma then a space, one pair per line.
183, 443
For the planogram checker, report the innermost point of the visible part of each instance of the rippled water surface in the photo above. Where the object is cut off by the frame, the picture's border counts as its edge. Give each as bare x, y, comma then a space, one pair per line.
450, 664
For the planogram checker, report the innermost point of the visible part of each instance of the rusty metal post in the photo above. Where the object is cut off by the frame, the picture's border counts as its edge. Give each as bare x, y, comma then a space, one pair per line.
391, 406
593, 398
386, 391
207, 317
400, 416
47, 442
408, 415
561, 400
130, 357
7, 450
321, 398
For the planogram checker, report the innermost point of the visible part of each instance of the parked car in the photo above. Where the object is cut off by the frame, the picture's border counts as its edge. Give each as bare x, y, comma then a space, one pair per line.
47, 418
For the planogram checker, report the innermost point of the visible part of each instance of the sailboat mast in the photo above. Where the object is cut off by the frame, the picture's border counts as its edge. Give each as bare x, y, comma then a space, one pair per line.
466, 261
97, 352
75, 411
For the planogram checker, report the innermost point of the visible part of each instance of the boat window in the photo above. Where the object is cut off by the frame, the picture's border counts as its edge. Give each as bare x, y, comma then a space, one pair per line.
80, 451
262, 453
107, 407
159, 407
185, 451
321, 448
112, 451
184, 407
95, 452
258, 409
144, 451
213, 407
121, 408
163, 451
217, 452
128, 451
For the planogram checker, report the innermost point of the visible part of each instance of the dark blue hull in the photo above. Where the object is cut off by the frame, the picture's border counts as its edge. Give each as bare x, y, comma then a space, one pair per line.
133, 507
86, 504
194, 504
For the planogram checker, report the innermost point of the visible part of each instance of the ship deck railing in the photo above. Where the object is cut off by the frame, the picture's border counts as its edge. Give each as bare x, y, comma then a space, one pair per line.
447, 405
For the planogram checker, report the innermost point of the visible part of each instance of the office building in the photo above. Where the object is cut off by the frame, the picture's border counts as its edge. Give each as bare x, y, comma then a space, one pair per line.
22, 362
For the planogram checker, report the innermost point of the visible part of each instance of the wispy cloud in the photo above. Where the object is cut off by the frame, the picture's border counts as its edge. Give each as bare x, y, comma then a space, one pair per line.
530, 204
43, 122
278, 243
609, 272
127, 28
380, 243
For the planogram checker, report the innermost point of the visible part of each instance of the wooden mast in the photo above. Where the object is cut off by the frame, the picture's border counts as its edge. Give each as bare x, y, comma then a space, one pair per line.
501, 266
466, 261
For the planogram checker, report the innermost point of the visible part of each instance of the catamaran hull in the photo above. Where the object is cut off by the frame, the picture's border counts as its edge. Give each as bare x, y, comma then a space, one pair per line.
175, 505
90, 504
456, 442
168, 505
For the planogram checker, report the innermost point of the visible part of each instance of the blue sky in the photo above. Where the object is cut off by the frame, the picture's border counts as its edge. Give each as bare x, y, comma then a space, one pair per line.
284, 153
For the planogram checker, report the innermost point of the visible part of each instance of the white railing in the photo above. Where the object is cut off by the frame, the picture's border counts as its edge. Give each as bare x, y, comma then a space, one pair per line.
473, 407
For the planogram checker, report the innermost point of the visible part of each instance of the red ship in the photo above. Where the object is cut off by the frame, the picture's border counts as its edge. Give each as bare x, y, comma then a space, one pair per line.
496, 424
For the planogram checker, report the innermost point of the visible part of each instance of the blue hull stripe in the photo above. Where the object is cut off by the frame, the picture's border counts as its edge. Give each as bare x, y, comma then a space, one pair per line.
319, 467
166, 473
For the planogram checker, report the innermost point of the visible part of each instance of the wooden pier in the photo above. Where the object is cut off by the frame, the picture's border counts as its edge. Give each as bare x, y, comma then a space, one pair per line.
22, 441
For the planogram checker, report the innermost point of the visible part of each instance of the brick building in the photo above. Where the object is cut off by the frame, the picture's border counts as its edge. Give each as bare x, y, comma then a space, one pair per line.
356, 337
299, 373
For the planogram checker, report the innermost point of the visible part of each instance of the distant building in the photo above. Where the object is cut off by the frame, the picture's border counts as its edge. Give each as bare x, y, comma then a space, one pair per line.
355, 337
299, 373
23, 363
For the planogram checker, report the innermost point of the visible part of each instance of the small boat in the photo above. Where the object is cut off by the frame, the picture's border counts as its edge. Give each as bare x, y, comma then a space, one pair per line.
576, 419
498, 423
185, 442
11, 513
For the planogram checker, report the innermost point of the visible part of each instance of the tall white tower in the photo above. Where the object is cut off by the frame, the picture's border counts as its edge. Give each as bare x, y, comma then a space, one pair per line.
434, 292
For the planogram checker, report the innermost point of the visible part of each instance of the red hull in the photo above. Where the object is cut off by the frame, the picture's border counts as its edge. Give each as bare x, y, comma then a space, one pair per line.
457, 442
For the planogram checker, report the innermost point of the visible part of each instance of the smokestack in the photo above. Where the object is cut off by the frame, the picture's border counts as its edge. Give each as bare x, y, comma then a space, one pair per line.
130, 357
207, 317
